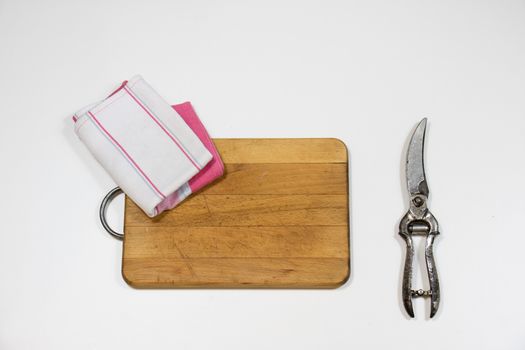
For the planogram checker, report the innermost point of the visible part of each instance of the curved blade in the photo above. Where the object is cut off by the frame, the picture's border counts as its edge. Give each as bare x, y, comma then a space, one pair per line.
415, 168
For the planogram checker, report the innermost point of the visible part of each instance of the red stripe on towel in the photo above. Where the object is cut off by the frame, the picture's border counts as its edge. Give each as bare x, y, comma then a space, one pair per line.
127, 154
162, 127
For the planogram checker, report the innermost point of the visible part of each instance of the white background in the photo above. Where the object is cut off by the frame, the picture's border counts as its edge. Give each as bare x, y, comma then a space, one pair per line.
365, 72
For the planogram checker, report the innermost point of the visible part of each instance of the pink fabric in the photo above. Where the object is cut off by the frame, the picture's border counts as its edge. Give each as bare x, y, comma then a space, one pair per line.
213, 170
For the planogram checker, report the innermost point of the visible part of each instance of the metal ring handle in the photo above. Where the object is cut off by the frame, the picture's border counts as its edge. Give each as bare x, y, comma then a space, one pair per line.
102, 212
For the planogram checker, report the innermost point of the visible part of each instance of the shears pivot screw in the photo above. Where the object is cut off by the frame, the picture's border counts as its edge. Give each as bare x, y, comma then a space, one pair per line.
418, 201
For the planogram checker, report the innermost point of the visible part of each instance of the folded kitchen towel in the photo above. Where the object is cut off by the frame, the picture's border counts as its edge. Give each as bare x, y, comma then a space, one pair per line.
213, 170
143, 143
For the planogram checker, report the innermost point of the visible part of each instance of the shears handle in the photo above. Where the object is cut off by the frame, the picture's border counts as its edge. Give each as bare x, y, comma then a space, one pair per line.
407, 292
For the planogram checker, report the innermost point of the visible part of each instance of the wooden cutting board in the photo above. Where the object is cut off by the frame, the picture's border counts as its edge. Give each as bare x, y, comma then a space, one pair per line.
277, 219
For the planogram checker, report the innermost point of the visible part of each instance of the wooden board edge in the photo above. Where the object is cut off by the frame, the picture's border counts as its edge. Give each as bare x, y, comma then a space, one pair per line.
339, 150
332, 284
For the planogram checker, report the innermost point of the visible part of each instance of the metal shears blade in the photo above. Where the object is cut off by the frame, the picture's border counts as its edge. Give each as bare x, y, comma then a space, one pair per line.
418, 221
415, 166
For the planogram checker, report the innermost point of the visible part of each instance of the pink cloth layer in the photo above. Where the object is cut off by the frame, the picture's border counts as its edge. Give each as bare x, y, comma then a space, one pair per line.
213, 170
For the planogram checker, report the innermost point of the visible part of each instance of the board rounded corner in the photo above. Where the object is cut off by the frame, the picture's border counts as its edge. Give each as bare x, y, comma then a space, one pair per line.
341, 144
343, 279
129, 281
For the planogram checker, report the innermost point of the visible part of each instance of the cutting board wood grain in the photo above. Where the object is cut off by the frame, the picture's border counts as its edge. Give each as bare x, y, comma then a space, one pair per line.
277, 219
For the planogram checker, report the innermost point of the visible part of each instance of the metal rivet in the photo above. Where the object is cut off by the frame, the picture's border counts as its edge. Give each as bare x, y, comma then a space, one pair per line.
418, 201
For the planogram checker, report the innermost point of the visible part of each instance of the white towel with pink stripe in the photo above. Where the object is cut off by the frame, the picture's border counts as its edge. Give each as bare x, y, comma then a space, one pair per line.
141, 141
